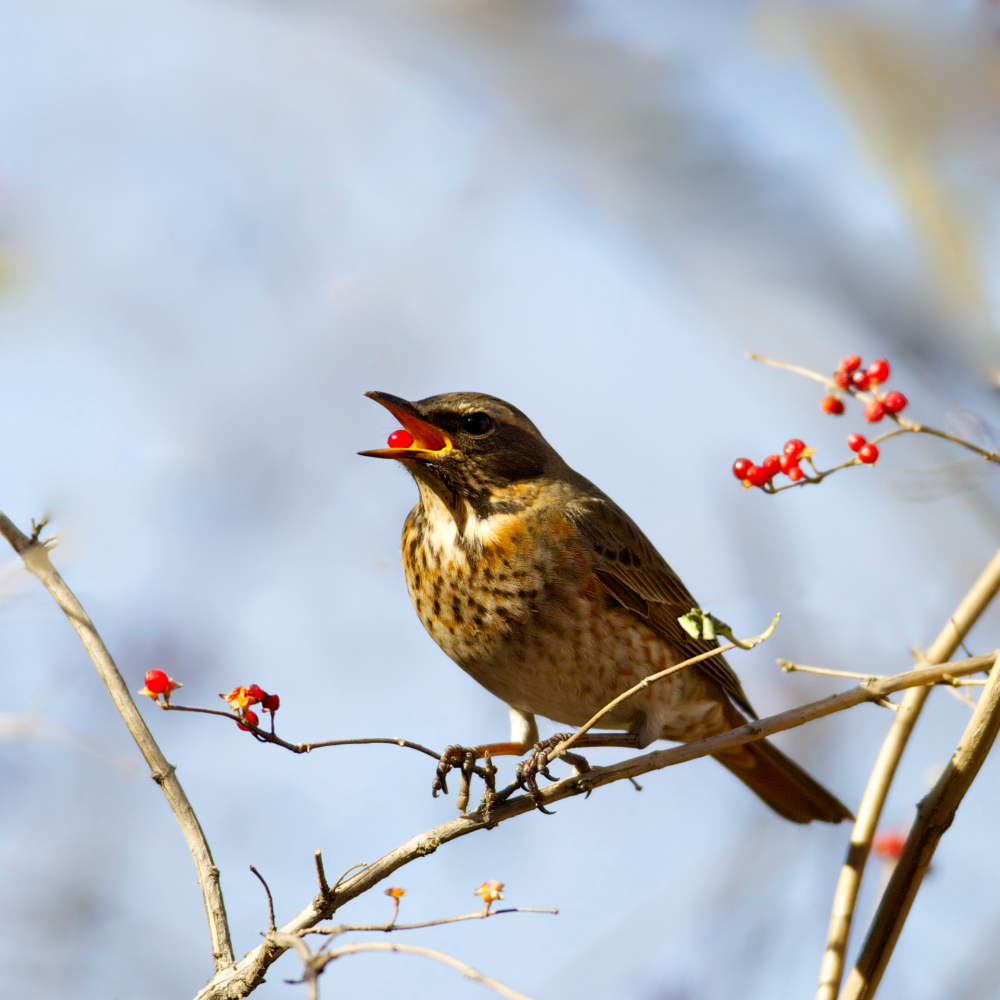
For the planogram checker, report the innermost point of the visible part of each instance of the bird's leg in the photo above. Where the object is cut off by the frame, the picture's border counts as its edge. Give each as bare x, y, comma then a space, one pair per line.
537, 762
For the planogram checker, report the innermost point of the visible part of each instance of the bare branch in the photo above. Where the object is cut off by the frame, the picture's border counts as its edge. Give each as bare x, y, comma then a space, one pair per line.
935, 814
870, 810
478, 915
324, 886
791, 668
35, 555
240, 980
264, 736
271, 925
467, 970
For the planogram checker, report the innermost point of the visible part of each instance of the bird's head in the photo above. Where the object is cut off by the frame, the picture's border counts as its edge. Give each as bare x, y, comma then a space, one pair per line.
471, 444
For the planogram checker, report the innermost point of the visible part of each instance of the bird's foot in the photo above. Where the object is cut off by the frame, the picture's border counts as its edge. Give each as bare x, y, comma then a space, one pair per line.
464, 758
537, 763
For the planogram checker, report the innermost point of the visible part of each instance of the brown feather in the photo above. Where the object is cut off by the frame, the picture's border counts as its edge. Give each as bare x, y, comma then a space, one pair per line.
638, 577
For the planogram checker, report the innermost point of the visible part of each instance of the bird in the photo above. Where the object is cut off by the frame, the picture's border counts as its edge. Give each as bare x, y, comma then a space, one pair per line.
548, 594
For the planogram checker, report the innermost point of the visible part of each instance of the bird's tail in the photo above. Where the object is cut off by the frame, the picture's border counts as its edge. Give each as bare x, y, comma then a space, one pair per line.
782, 784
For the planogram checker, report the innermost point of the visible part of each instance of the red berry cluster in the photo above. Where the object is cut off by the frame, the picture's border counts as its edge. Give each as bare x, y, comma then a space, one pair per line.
852, 378
159, 684
242, 698
866, 451
786, 463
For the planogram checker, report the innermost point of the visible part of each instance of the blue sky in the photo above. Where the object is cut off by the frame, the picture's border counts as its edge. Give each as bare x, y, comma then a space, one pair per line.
222, 223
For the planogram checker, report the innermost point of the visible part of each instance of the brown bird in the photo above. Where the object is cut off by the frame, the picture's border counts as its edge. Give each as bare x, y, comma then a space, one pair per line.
546, 592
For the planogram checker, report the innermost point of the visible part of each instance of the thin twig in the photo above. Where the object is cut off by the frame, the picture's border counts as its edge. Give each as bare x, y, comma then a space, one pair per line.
310, 972
263, 736
852, 463
826, 380
35, 555
249, 971
790, 668
478, 915
343, 878
653, 678
324, 886
961, 696
271, 926
845, 895
935, 814
410, 949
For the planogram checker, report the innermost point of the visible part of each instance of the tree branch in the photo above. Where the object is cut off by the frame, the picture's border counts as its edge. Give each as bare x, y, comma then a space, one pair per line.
35, 555
870, 810
935, 814
462, 918
248, 973
317, 963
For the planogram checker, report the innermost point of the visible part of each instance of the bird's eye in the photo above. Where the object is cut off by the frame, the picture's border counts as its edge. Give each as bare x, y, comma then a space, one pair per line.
477, 423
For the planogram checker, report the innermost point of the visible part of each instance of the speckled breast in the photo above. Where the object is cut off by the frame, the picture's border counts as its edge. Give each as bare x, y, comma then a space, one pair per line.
512, 599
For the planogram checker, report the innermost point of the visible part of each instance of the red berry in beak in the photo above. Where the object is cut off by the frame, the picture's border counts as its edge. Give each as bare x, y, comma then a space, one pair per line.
400, 439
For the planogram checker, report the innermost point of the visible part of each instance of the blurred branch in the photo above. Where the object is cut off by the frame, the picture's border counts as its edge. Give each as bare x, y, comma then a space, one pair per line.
845, 895
315, 963
248, 973
35, 556
911, 86
935, 814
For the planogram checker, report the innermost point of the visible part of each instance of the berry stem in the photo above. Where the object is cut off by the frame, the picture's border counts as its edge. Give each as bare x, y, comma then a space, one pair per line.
916, 428
798, 369
821, 474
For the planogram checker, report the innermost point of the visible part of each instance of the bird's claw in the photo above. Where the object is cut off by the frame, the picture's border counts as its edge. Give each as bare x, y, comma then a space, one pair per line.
537, 763
464, 758
453, 756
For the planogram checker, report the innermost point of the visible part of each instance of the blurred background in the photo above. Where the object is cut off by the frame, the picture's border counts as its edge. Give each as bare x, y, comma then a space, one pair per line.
221, 222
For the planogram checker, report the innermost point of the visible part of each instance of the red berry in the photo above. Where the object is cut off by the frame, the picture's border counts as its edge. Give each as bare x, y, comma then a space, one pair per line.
878, 371
794, 447
758, 475
400, 439
256, 692
851, 362
874, 411
832, 404
868, 453
771, 465
158, 681
795, 474
270, 703
250, 716
860, 380
856, 441
889, 844
842, 378
741, 466
894, 402
788, 462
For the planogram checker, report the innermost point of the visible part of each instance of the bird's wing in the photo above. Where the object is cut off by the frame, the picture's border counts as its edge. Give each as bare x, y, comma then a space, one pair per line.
639, 578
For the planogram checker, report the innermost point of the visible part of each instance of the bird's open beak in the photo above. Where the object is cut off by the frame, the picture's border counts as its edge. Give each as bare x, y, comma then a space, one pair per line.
428, 440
